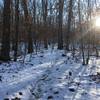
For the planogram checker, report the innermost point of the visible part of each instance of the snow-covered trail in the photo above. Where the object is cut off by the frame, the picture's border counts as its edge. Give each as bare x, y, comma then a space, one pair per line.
89, 90
55, 67
26, 77
80, 74
57, 80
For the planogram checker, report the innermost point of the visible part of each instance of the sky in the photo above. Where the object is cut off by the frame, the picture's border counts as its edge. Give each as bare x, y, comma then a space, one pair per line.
1, 1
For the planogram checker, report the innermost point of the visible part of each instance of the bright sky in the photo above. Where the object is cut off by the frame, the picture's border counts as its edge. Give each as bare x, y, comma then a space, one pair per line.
1, 1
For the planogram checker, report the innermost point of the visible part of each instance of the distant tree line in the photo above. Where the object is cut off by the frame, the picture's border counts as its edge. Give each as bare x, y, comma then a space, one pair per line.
68, 24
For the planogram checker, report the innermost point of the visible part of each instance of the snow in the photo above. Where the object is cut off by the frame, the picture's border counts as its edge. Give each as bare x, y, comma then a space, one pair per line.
46, 76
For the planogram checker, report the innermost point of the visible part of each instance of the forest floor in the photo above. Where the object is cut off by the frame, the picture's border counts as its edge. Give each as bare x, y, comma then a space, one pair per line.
50, 75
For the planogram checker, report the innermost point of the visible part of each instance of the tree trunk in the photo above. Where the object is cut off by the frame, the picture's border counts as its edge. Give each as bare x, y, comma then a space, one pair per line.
69, 24
60, 22
16, 28
5, 49
44, 9
82, 45
28, 23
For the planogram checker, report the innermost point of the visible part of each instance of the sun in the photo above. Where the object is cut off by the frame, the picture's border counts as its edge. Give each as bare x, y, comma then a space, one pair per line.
98, 22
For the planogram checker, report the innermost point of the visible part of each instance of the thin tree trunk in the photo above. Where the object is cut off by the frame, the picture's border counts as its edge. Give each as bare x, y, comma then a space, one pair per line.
60, 19
44, 9
16, 28
82, 45
69, 24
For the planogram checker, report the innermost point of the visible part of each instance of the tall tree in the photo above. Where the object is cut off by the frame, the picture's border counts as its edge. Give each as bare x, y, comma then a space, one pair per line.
28, 25
5, 49
34, 21
60, 22
80, 30
44, 10
16, 28
69, 23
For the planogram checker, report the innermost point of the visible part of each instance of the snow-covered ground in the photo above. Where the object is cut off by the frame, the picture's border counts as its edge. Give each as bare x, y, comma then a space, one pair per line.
49, 75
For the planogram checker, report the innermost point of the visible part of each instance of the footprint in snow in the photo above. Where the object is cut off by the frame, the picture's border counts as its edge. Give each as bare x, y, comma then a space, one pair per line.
50, 98
20, 93
56, 92
57, 69
71, 89
16, 98
63, 55
6, 99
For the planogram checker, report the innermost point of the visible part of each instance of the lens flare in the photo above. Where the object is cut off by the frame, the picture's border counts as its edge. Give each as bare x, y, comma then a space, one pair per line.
98, 22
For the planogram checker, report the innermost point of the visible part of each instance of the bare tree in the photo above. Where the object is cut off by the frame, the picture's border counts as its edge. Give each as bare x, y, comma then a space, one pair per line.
80, 26
69, 23
44, 10
60, 23
5, 49
16, 28
28, 25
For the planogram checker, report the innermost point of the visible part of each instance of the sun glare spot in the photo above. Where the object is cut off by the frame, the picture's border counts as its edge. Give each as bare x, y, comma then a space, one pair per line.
98, 22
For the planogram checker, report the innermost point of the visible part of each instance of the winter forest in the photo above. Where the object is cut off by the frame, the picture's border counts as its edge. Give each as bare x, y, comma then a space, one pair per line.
49, 49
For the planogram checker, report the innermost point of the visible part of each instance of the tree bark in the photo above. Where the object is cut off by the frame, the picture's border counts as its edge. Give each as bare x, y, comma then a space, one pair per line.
69, 24
5, 49
44, 9
28, 24
16, 28
60, 22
